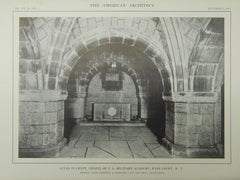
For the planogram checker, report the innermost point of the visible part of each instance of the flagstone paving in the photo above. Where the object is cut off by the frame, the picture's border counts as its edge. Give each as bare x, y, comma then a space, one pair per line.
113, 142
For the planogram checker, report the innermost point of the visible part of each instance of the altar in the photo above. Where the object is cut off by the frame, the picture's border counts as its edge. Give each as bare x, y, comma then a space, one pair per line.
111, 112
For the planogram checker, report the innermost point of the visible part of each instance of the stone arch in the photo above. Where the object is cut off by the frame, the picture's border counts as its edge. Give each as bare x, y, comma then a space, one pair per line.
206, 61
155, 37
29, 44
30, 62
163, 68
176, 46
88, 67
219, 75
151, 42
84, 82
86, 79
131, 73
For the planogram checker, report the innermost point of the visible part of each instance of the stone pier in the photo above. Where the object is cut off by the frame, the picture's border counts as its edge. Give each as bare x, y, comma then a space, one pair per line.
191, 129
41, 123
75, 106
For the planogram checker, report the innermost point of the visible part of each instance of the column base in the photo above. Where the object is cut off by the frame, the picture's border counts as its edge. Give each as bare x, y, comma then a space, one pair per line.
190, 152
44, 152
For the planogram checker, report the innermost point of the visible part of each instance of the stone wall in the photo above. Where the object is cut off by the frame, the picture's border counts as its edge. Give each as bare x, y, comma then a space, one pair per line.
96, 94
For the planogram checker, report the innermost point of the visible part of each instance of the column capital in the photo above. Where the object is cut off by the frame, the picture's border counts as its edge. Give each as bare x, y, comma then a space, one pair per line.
42, 95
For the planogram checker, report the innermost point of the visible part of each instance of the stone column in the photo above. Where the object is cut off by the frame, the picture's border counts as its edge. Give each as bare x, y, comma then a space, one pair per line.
41, 123
190, 125
219, 134
143, 106
75, 107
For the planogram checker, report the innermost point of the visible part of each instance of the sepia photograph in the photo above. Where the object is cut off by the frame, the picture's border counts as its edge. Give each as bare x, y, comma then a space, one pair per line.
121, 87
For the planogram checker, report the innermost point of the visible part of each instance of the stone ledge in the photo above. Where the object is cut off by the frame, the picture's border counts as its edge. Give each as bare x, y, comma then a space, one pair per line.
42, 152
39, 107
75, 100
73, 95
192, 97
190, 152
42, 96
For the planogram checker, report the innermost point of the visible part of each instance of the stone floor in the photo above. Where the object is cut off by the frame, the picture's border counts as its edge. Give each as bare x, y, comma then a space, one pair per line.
112, 142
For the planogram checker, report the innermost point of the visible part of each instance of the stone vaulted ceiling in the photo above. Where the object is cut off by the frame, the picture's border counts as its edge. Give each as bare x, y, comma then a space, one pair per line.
188, 52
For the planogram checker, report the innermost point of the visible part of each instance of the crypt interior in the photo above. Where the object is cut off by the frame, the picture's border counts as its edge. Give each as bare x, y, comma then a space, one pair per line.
121, 87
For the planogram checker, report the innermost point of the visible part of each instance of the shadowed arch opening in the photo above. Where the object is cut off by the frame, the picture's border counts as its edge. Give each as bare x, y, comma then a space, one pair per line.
156, 55
137, 68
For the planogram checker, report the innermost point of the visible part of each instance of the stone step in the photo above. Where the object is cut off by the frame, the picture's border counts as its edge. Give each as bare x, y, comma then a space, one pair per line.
111, 124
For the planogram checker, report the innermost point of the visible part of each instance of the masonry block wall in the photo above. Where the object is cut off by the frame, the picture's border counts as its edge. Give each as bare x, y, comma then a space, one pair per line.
96, 94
